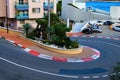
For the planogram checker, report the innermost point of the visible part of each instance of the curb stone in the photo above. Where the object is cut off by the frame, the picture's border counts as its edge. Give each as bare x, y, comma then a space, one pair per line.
40, 55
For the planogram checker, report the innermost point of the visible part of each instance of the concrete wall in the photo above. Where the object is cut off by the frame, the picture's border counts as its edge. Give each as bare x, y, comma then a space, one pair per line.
11, 8
115, 12
2, 8
35, 5
76, 14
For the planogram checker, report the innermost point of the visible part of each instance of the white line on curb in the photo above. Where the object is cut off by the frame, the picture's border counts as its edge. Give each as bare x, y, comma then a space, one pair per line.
45, 56
27, 49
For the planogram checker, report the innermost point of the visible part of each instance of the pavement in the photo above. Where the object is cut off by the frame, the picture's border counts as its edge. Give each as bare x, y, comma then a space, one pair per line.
88, 53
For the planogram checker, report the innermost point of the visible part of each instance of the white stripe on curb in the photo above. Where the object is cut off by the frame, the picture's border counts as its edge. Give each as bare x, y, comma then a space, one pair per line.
11, 41
27, 49
45, 56
19, 45
74, 60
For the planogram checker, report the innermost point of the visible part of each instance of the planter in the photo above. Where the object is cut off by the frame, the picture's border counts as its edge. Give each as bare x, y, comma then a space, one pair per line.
60, 50
55, 49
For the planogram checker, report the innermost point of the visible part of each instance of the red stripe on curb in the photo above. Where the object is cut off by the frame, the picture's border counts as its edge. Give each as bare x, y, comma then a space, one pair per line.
87, 59
96, 53
95, 36
32, 52
15, 43
23, 47
59, 59
88, 36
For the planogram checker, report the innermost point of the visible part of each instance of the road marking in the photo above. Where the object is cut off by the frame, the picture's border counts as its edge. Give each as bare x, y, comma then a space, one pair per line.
32, 69
96, 76
86, 77
113, 44
105, 76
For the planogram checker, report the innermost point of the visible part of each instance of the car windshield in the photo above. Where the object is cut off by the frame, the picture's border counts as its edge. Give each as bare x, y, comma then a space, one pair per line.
118, 26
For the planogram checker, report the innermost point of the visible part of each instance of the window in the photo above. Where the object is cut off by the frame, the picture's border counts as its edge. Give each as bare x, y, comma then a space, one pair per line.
22, 21
36, 10
35, 0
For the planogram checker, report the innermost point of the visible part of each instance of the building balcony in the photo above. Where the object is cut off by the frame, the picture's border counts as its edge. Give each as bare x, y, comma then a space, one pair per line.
22, 5
22, 16
45, 5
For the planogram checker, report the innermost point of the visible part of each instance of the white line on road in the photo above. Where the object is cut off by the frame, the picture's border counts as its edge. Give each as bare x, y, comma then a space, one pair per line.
32, 69
96, 76
86, 77
105, 76
113, 45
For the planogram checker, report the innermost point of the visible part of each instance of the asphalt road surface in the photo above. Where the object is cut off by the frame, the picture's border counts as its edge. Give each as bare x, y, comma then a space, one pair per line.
16, 64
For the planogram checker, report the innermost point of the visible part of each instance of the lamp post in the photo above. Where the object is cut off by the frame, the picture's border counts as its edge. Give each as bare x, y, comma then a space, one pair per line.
6, 20
48, 13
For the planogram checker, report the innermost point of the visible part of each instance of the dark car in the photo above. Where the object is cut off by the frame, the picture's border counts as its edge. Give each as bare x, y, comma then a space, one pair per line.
91, 30
108, 23
87, 31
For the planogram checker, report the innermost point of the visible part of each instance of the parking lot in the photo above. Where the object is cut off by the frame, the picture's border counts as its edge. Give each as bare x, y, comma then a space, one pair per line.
106, 32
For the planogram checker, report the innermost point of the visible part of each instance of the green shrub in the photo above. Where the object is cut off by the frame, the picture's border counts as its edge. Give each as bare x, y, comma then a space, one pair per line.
74, 44
31, 35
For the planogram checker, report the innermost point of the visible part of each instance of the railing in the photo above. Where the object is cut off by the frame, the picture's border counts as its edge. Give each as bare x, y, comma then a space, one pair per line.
45, 5
22, 5
22, 16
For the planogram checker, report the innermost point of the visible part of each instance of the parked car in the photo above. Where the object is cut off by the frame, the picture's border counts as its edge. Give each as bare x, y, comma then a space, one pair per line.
108, 23
116, 28
99, 23
92, 30
87, 31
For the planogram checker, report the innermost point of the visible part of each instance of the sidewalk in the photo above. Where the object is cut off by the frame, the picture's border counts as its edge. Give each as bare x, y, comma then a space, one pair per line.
15, 37
87, 53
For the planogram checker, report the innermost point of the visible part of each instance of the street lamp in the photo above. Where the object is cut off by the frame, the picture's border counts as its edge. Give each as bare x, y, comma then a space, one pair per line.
48, 13
6, 20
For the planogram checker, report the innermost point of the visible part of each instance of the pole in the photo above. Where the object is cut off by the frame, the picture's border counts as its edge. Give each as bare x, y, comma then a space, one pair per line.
48, 13
6, 21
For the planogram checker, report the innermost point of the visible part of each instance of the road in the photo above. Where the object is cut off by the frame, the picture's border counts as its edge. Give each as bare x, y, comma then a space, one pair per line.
16, 64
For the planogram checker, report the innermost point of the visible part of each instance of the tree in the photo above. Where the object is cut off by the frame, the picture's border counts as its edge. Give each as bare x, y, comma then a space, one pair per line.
116, 72
59, 37
53, 19
59, 7
41, 27
27, 27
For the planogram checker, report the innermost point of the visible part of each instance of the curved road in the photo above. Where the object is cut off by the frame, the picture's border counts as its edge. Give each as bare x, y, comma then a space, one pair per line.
16, 64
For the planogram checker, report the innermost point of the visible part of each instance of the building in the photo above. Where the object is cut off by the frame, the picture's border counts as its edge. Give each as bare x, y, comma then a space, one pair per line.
19, 12
115, 12
84, 10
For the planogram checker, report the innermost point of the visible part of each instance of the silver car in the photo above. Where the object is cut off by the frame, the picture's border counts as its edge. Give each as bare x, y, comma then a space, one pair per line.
116, 28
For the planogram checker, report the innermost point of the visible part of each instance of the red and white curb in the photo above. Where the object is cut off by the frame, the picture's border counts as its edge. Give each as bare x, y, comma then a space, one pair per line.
91, 36
37, 54
93, 57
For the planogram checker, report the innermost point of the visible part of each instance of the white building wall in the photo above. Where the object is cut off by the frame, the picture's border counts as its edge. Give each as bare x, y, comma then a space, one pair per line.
115, 12
76, 14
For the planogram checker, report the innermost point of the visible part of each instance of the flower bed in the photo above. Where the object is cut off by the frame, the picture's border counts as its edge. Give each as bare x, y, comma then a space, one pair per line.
60, 50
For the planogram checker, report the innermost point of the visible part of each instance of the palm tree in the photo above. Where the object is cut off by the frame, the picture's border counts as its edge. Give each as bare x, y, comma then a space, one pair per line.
41, 27
27, 27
